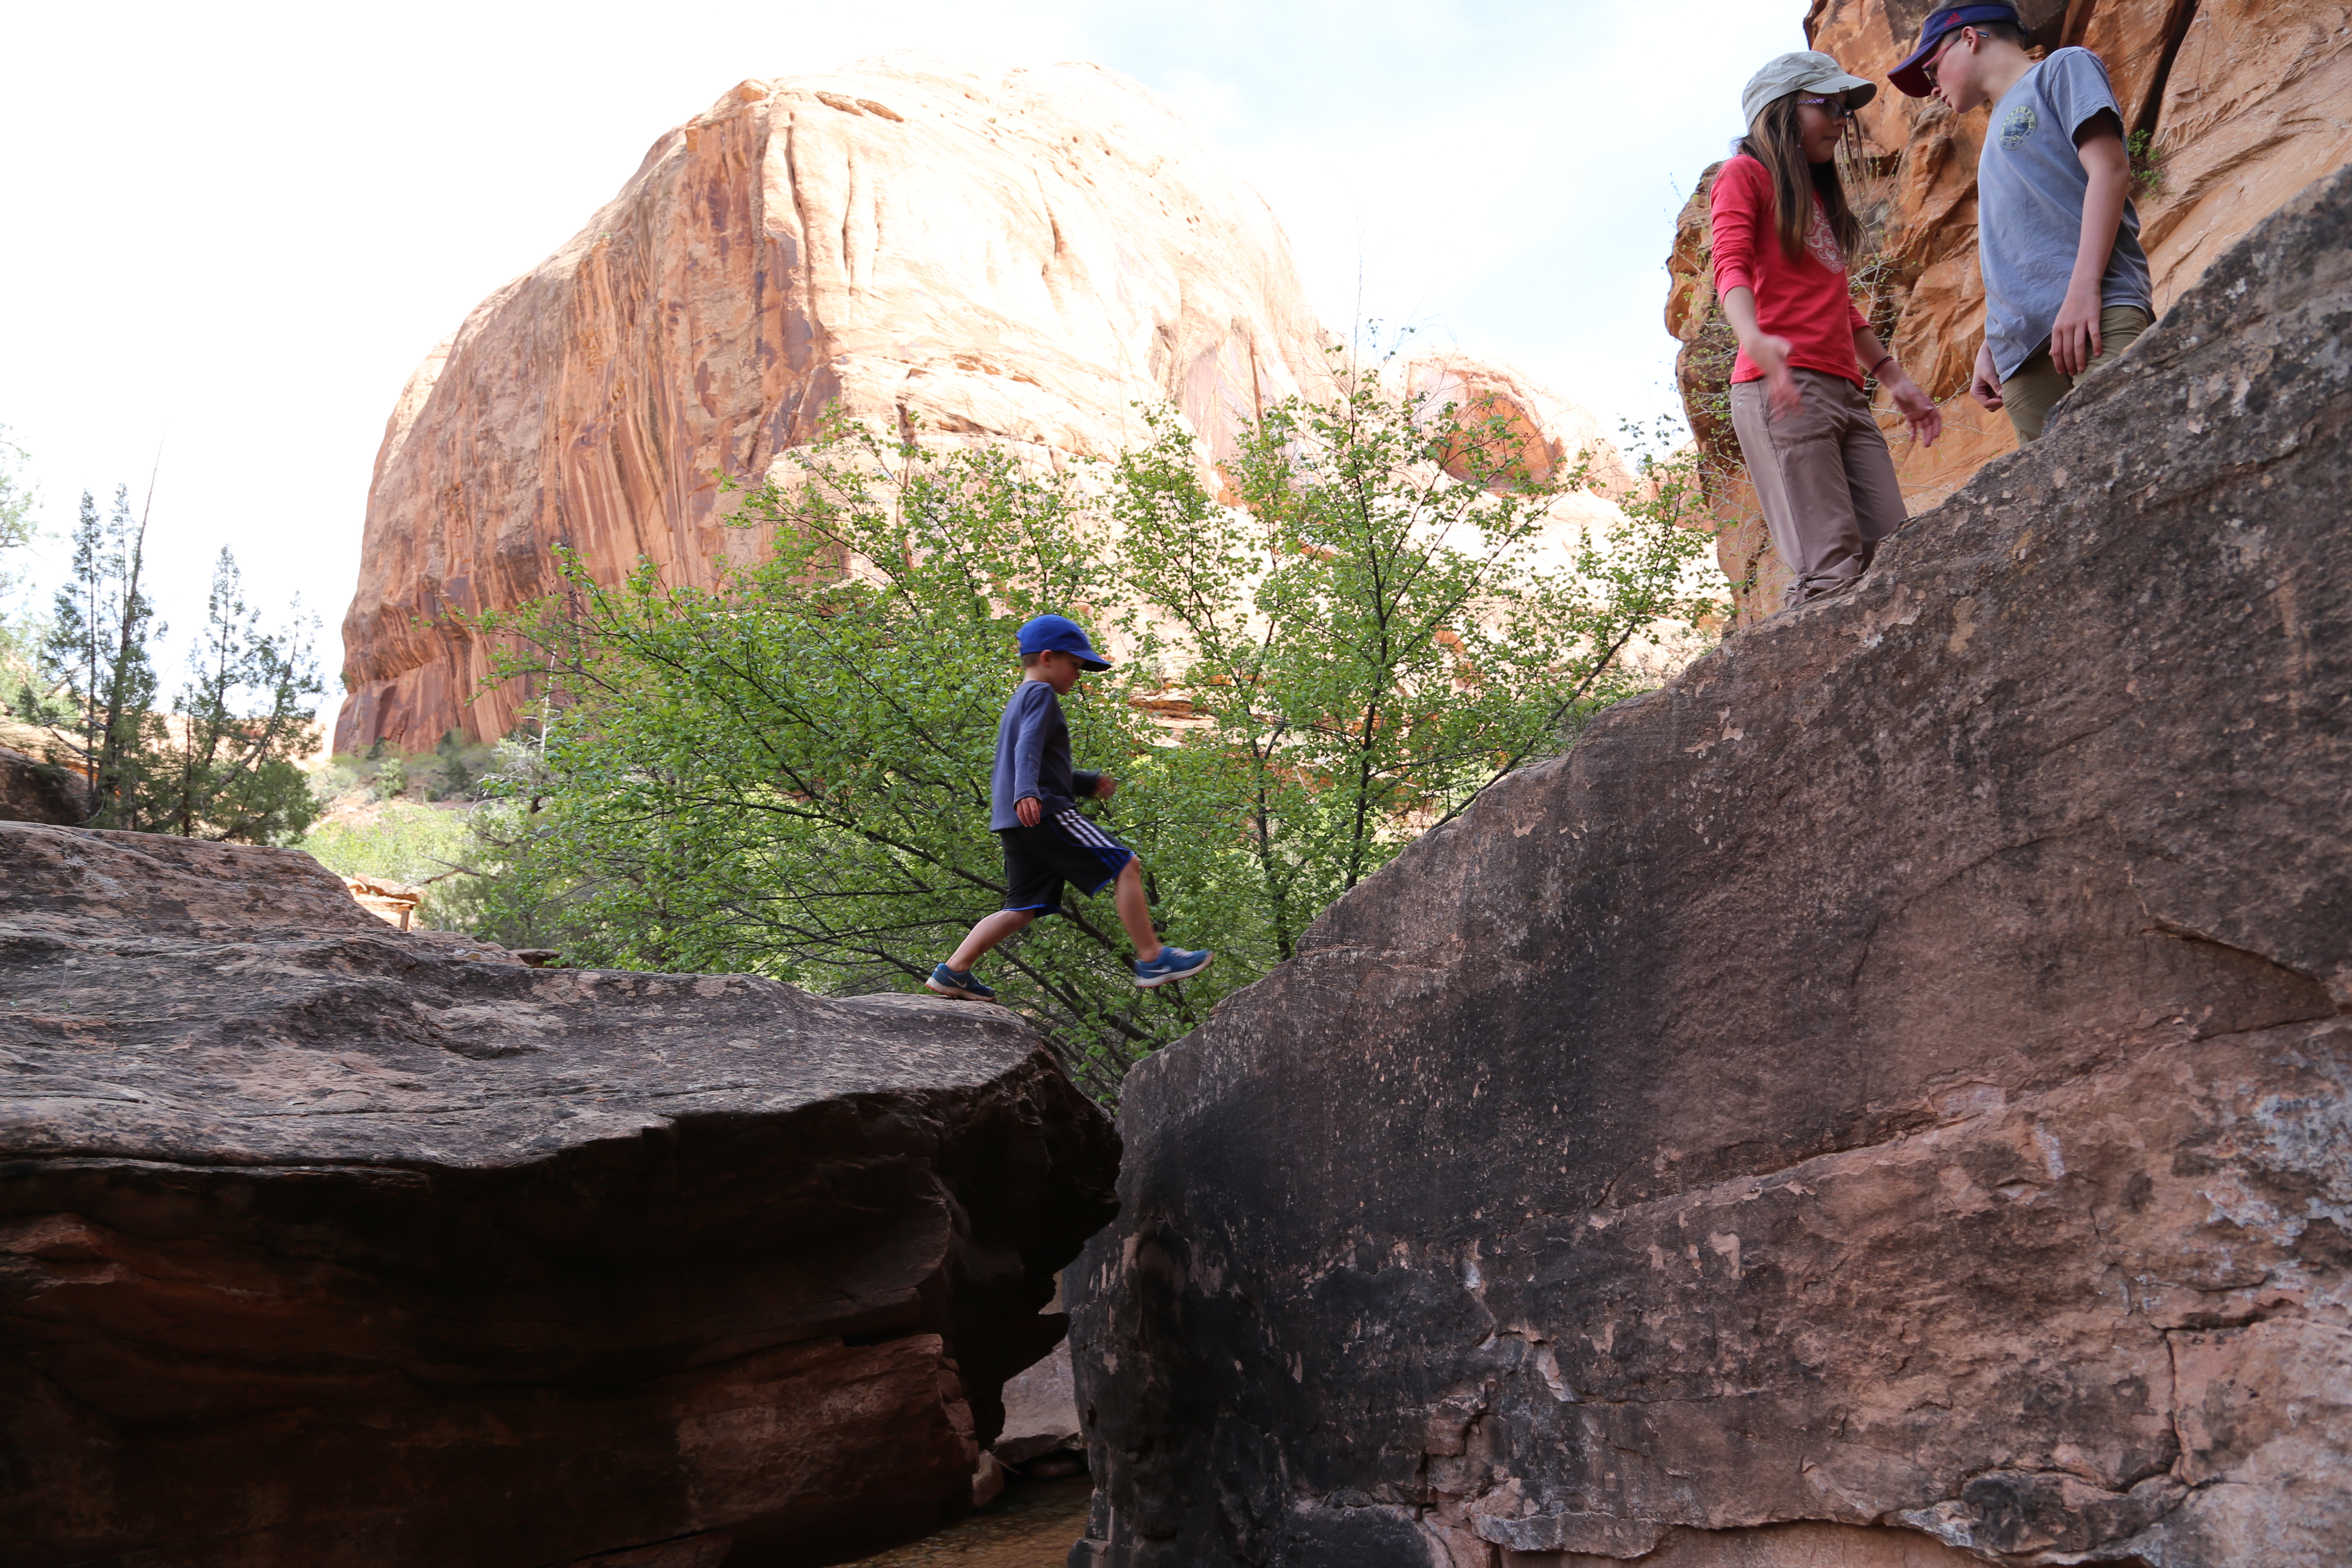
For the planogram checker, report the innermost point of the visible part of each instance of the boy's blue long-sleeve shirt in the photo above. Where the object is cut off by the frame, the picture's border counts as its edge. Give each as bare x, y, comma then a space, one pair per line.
1033, 757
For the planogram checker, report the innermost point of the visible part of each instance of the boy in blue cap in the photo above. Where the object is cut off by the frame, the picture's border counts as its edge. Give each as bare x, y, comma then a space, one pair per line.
2066, 283
1034, 809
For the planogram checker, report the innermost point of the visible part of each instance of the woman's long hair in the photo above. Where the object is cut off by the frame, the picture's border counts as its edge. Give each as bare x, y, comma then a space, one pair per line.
1774, 142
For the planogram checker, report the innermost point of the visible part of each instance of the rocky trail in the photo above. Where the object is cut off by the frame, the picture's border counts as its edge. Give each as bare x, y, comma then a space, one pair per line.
1033, 1525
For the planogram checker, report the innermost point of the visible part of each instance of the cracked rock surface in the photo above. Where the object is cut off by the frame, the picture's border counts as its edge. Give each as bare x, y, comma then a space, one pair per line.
323, 1244
1885, 1098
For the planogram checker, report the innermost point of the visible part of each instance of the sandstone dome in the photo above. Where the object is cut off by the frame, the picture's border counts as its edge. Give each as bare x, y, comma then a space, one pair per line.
1016, 255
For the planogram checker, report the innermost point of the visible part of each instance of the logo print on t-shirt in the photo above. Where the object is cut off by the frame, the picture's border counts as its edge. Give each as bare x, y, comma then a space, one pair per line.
1823, 242
2017, 129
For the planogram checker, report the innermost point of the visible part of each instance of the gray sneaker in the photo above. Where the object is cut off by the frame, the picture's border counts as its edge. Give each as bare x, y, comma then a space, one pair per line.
1173, 964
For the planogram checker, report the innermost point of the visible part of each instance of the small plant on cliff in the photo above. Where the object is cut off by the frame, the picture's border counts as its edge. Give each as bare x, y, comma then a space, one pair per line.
2147, 166
1375, 613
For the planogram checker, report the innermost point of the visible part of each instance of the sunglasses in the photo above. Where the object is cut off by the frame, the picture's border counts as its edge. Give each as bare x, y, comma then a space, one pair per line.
1835, 108
1954, 36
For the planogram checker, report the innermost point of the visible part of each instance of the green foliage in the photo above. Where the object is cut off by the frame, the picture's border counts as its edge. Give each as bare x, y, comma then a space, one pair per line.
222, 767
2146, 164
789, 774
226, 769
1373, 632
439, 848
455, 769
16, 494
95, 655
24, 695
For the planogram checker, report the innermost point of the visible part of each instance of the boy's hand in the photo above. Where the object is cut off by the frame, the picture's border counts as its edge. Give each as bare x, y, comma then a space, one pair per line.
1770, 355
1106, 787
2075, 335
1926, 419
1029, 809
1986, 387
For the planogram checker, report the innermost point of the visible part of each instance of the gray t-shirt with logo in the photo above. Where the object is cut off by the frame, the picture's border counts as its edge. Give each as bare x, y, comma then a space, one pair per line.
2030, 188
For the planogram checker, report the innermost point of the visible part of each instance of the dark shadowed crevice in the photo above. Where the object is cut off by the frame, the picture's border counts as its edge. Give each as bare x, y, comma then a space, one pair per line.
2176, 29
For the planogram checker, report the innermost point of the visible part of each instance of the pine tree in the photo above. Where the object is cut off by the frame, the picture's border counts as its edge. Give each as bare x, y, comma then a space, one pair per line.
96, 650
229, 772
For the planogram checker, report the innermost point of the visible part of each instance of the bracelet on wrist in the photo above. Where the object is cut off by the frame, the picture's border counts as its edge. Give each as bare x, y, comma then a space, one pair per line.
1886, 360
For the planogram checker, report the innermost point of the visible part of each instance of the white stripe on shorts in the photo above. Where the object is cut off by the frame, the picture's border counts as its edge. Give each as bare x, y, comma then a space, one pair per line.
1087, 833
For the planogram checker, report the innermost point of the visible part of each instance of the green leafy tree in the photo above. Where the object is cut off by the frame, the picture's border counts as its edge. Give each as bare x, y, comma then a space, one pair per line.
225, 767
1393, 615
789, 774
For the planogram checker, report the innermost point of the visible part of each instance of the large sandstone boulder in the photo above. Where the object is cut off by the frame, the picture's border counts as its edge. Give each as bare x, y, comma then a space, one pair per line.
2245, 103
35, 790
1884, 1098
324, 1245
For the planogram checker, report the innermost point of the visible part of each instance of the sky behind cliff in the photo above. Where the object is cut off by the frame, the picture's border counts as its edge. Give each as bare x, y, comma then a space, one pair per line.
234, 230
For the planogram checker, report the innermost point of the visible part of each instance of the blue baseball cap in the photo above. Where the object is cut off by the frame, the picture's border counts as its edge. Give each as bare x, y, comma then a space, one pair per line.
1911, 75
1059, 633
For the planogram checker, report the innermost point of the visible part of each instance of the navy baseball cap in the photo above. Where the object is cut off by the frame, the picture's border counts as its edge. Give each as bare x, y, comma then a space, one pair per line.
1059, 633
1911, 75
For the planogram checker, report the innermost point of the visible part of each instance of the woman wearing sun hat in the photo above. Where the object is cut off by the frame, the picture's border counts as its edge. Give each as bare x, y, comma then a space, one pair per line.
1783, 234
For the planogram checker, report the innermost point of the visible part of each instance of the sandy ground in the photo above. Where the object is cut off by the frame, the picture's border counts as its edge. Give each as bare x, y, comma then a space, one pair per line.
1033, 1525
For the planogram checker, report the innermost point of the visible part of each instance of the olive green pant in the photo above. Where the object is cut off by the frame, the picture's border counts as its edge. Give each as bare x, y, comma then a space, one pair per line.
2028, 397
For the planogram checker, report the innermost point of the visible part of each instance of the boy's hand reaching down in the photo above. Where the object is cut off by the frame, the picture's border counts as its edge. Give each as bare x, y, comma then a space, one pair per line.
1030, 810
2075, 336
1986, 387
1106, 787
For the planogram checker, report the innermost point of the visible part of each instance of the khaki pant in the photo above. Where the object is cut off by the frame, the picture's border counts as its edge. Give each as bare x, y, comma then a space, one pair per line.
1824, 477
2028, 397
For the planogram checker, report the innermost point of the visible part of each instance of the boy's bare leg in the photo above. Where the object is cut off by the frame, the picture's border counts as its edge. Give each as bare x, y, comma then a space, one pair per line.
990, 931
1135, 912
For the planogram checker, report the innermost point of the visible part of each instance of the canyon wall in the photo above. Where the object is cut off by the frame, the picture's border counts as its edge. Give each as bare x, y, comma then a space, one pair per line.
2244, 103
323, 1244
1884, 1098
1020, 258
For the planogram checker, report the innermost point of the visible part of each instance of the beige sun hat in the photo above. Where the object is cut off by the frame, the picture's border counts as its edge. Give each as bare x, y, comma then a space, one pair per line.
1806, 71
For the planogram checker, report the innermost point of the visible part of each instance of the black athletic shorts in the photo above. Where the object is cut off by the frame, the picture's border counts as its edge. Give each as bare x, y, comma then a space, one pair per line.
1063, 849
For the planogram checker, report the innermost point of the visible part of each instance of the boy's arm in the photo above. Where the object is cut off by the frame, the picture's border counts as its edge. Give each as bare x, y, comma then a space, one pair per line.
2075, 336
1028, 753
1087, 781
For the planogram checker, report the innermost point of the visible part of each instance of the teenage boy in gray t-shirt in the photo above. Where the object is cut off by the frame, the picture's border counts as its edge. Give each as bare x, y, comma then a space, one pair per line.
2066, 283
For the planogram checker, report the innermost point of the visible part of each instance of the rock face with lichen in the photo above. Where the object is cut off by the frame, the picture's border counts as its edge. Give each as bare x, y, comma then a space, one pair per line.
2242, 104
328, 1245
1885, 1098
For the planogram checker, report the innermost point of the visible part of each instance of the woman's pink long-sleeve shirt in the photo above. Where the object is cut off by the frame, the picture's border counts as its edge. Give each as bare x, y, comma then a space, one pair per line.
1804, 300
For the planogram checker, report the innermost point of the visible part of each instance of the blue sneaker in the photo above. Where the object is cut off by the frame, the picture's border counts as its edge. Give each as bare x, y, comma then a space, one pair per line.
950, 982
1173, 964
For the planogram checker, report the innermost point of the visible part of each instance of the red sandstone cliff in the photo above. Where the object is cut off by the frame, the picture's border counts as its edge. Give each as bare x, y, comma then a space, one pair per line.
1019, 256
2245, 103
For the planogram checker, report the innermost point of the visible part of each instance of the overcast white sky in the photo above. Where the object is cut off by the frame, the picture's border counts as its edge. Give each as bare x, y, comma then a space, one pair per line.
234, 229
